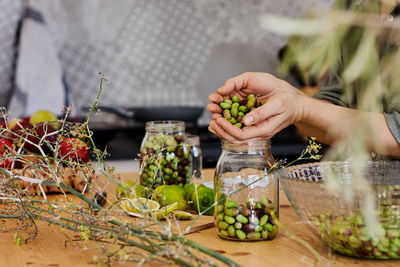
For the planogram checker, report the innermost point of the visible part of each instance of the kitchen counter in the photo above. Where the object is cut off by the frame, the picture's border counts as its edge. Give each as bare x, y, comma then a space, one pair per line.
50, 249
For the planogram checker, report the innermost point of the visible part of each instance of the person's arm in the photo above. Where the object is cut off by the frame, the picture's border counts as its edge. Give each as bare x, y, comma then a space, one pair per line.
285, 105
330, 123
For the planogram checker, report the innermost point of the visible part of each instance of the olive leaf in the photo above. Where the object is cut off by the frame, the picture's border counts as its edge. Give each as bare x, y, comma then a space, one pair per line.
365, 56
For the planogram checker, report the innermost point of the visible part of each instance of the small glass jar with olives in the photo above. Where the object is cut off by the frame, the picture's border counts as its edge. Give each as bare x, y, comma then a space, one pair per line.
164, 154
246, 193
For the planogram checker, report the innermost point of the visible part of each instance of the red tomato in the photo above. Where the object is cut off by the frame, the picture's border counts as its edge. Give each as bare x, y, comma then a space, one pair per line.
5, 146
74, 149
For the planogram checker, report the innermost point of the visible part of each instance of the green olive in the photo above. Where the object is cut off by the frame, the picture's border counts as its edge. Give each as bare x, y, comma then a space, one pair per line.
223, 225
224, 233
240, 234
235, 99
238, 225
227, 114
231, 204
250, 103
231, 211
240, 116
229, 219
243, 109
231, 231
168, 171
228, 101
220, 208
251, 96
225, 105
232, 120
235, 110
253, 235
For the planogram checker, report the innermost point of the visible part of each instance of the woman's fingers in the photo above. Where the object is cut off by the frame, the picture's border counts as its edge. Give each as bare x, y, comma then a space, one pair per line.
214, 108
251, 83
272, 107
234, 84
233, 130
266, 128
215, 116
219, 131
215, 98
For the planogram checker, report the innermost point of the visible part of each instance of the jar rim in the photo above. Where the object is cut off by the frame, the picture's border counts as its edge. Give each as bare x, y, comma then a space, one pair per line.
256, 143
165, 126
192, 140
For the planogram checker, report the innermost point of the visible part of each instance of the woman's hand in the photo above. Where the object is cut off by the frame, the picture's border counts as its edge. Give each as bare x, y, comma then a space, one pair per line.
283, 106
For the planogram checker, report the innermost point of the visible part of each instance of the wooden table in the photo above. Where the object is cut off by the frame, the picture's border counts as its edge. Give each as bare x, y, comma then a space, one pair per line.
49, 247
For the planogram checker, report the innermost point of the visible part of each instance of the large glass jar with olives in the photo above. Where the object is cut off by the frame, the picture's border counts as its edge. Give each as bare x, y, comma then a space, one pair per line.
164, 154
246, 192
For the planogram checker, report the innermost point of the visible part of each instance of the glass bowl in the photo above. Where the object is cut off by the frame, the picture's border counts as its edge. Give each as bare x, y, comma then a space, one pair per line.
339, 219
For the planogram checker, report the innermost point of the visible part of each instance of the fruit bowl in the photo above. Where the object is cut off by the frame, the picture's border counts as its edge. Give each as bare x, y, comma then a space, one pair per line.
339, 218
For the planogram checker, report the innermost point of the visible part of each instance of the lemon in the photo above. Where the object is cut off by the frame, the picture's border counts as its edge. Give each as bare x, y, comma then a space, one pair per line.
182, 215
163, 212
130, 189
140, 205
168, 194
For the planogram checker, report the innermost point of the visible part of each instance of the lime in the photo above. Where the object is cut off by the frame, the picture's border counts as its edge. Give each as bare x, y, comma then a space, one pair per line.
141, 191
182, 215
140, 205
163, 212
168, 194
189, 189
130, 189
203, 200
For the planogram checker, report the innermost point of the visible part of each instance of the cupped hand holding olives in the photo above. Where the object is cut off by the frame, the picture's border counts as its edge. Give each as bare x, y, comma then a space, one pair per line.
283, 105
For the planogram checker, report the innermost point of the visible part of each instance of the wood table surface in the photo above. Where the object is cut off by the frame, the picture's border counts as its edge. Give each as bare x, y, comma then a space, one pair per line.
50, 249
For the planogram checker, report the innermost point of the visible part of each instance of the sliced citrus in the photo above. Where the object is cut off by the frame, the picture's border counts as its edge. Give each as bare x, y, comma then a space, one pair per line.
130, 189
125, 190
182, 215
163, 212
140, 205
168, 194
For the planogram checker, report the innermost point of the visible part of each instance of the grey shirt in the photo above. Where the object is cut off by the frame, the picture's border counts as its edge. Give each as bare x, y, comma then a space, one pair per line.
334, 94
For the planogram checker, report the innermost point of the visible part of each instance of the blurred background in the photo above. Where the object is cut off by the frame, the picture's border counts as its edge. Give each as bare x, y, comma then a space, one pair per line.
158, 56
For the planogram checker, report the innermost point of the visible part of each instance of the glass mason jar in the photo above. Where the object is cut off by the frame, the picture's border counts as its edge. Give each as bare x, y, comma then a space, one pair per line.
164, 154
196, 156
247, 195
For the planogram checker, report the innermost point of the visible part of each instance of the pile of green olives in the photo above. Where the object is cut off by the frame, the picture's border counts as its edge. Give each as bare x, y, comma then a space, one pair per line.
253, 221
350, 236
234, 110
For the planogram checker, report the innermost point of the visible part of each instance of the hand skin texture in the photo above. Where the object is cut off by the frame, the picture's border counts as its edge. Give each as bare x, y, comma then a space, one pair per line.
285, 105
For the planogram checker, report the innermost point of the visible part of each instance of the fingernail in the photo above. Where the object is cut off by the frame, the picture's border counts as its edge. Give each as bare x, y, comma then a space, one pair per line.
248, 120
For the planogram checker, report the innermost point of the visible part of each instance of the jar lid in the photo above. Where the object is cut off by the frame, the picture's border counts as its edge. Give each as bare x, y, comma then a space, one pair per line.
165, 126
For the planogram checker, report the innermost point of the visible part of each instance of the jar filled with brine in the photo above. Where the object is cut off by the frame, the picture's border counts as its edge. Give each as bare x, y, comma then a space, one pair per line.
246, 193
164, 155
